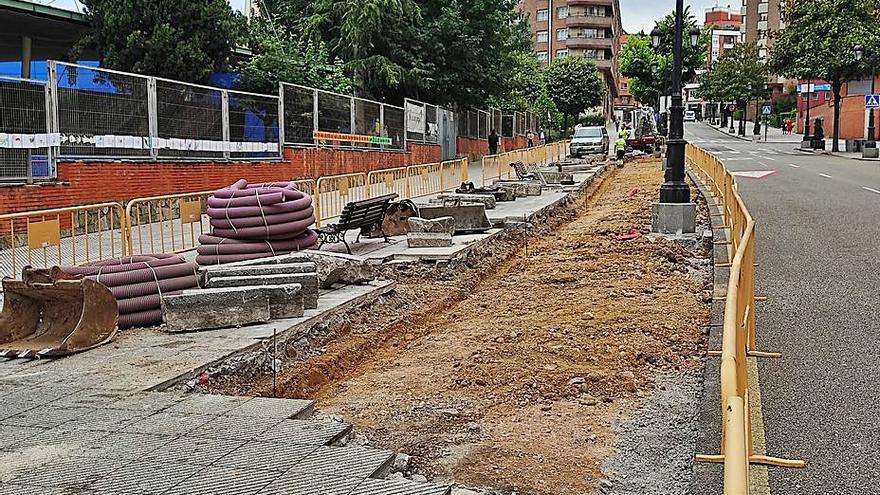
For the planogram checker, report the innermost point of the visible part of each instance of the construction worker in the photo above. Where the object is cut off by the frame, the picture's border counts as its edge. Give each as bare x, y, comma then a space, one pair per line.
620, 148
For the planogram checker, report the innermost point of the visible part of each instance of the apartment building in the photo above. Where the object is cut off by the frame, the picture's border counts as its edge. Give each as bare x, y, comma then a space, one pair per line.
725, 26
588, 28
760, 19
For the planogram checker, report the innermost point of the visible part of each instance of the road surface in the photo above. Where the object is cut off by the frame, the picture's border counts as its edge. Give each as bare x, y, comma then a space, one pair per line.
817, 225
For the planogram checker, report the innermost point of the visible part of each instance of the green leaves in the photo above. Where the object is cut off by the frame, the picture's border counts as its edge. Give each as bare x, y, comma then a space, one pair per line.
738, 76
574, 85
181, 40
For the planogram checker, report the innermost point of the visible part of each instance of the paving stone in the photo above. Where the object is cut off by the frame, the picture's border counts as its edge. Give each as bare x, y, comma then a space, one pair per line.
291, 483
205, 309
105, 420
132, 446
146, 402
67, 472
66, 440
285, 301
10, 436
398, 487
207, 404
268, 407
266, 456
94, 398
306, 432
428, 239
224, 481
308, 282
165, 423
234, 427
194, 450
345, 461
24, 489
438, 225
45, 417
145, 477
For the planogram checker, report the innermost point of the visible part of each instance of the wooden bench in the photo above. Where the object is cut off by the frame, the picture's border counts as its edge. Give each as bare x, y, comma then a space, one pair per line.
364, 215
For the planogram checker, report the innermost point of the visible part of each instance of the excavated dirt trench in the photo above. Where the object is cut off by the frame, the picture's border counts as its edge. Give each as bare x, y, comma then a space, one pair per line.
508, 370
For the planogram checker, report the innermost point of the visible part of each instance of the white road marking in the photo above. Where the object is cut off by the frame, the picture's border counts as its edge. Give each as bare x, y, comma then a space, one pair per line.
734, 152
871, 189
771, 159
825, 175
793, 165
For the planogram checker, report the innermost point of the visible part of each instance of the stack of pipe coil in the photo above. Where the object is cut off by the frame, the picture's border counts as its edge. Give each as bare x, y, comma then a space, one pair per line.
251, 221
138, 283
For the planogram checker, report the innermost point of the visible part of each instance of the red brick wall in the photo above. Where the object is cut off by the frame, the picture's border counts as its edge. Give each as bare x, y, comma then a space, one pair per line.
90, 182
471, 148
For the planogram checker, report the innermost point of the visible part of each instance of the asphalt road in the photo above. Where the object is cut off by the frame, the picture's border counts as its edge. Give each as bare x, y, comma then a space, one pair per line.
817, 246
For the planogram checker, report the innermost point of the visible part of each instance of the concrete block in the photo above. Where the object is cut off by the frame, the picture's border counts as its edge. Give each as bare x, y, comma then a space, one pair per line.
285, 301
341, 268
308, 281
674, 218
258, 270
205, 309
486, 199
522, 188
442, 225
468, 217
428, 239
299, 257
870, 152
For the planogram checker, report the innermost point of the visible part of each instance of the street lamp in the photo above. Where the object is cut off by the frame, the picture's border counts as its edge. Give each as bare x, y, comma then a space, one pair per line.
860, 54
674, 188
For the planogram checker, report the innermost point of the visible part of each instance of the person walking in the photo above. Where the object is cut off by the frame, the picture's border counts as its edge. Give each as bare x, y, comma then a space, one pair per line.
493, 142
530, 138
542, 137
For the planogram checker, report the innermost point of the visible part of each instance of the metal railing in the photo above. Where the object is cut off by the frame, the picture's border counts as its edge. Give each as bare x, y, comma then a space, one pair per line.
478, 124
25, 139
739, 335
499, 166
166, 224
388, 181
61, 236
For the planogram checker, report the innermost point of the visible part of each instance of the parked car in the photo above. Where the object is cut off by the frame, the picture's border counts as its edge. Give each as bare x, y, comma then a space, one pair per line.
690, 116
589, 140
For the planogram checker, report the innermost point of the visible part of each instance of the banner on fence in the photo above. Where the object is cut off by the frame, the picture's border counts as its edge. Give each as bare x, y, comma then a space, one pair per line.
415, 118
354, 138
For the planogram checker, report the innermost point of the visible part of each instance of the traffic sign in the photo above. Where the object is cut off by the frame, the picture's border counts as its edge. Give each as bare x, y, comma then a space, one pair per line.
872, 101
766, 110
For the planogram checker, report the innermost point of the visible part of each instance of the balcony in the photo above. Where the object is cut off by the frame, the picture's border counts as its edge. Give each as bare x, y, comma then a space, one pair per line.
590, 43
589, 21
577, 3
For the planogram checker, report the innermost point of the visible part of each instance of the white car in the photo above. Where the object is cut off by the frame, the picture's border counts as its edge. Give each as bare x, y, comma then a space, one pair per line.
690, 116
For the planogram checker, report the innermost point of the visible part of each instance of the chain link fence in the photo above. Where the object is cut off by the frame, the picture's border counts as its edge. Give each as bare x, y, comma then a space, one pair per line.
24, 130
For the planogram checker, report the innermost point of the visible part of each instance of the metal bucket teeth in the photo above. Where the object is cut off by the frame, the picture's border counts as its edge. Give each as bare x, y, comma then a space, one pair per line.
48, 317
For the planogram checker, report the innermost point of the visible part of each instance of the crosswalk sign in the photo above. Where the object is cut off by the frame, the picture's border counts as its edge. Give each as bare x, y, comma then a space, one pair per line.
766, 110
872, 101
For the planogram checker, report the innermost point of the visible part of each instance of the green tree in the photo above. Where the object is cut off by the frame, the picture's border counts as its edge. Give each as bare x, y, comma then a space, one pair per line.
281, 53
641, 65
185, 40
738, 76
817, 43
526, 90
574, 84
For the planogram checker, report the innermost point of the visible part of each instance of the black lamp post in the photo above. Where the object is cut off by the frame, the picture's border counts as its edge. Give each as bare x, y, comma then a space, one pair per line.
674, 188
807, 119
860, 54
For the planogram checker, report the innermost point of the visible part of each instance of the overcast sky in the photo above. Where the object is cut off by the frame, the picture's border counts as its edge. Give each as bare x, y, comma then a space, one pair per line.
74, 5
640, 15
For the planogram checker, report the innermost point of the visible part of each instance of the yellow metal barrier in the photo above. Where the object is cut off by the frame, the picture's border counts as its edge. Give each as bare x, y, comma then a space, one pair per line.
166, 224
739, 335
61, 236
453, 173
335, 191
424, 179
388, 181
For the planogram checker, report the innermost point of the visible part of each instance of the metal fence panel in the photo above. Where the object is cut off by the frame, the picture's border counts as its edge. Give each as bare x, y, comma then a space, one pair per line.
299, 114
189, 120
473, 129
367, 120
253, 125
395, 127
432, 126
483, 124
334, 113
101, 113
24, 131
507, 125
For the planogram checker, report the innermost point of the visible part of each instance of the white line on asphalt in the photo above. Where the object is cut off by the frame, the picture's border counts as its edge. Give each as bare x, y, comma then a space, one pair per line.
771, 159
733, 152
871, 189
825, 175
793, 165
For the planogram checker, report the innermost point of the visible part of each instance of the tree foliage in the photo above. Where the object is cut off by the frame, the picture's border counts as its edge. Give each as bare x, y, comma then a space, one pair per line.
738, 76
649, 69
185, 40
574, 84
818, 39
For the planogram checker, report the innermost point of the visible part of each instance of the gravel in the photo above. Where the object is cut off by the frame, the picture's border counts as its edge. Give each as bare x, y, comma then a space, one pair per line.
655, 446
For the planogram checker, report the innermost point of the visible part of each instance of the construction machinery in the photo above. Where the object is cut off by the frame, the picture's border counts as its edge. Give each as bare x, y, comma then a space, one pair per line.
49, 314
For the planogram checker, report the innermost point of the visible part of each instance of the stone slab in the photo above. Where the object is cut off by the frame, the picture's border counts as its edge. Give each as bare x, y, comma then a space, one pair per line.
673, 218
468, 217
428, 239
486, 199
258, 270
522, 188
439, 225
205, 309
308, 281
333, 268
286, 301
285, 259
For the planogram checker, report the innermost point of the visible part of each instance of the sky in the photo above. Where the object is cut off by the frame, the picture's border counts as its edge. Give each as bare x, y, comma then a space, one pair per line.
639, 15
76, 6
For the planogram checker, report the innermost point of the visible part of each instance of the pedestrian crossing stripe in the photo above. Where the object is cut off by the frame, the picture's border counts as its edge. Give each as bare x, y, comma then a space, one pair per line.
756, 174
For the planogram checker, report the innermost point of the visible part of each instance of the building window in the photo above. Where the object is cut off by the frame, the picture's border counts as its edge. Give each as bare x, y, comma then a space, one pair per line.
624, 100
542, 15
562, 34
623, 86
593, 10
561, 53
562, 12
542, 57
542, 36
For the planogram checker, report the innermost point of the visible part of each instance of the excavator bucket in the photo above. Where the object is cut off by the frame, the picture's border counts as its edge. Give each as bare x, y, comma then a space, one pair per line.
48, 317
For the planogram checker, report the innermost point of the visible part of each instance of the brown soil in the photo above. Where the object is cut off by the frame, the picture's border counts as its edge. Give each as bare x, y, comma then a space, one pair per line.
510, 375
